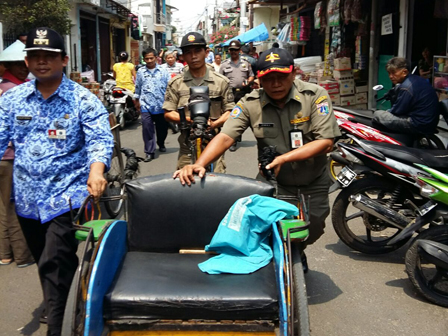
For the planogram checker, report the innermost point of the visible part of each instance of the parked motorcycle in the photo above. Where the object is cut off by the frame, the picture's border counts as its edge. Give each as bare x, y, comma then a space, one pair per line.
361, 127
120, 101
371, 211
427, 257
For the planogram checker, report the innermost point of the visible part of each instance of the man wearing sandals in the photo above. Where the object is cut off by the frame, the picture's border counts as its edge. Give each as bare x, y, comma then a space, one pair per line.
63, 145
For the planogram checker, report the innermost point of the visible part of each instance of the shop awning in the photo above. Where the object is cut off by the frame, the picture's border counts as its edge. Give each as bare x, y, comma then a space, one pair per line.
259, 33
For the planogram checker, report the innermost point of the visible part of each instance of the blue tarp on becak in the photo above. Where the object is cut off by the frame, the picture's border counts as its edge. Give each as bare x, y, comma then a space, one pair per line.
259, 33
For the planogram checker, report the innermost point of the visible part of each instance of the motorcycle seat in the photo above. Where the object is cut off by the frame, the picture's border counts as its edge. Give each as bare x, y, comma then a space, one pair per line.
434, 252
435, 158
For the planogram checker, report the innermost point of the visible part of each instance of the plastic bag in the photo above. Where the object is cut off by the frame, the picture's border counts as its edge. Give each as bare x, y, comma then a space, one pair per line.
317, 15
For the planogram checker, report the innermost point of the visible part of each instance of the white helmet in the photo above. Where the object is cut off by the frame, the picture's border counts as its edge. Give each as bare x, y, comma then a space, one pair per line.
13, 53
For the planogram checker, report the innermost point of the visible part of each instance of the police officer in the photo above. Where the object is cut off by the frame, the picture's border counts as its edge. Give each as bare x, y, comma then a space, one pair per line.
240, 74
63, 146
295, 116
197, 74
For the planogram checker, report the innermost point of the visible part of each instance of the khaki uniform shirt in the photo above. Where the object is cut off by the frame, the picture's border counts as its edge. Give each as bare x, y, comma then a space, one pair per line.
236, 73
178, 93
308, 108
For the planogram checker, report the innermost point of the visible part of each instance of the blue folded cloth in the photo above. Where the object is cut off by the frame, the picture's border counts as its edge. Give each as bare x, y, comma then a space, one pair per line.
242, 237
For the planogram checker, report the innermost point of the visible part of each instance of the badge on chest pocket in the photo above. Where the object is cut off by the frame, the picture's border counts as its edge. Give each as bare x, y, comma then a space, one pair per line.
296, 139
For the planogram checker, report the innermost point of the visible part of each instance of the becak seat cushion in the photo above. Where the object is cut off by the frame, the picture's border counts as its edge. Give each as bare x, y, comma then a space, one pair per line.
171, 286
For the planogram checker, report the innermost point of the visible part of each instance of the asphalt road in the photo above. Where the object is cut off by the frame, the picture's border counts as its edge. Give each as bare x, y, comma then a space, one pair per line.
350, 294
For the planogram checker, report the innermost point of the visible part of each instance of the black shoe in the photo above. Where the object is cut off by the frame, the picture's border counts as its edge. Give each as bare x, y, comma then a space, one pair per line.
233, 147
162, 149
149, 157
43, 317
304, 262
175, 128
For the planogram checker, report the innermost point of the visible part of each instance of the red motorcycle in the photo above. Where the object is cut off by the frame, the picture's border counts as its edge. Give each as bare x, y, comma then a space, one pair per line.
361, 127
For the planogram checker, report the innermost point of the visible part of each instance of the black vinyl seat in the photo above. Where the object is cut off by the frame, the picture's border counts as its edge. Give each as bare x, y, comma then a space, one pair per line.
171, 286
155, 281
434, 158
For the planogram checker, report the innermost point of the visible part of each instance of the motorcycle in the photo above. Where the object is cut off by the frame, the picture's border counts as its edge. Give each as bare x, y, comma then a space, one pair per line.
427, 258
120, 100
370, 212
363, 128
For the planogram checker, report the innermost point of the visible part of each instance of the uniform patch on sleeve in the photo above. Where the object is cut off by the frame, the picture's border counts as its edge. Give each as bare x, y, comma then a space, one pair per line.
323, 108
236, 111
318, 100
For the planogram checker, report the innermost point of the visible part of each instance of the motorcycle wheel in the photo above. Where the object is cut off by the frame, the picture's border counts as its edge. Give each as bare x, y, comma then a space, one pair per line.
423, 274
429, 142
363, 232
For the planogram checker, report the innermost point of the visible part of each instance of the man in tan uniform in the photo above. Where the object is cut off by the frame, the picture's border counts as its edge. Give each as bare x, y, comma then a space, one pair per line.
295, 116
178, 92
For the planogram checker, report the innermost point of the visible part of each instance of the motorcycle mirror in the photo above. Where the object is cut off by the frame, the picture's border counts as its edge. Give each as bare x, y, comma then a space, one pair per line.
378, 87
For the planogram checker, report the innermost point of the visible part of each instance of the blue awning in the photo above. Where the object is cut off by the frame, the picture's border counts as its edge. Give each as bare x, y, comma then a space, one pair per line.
259, 33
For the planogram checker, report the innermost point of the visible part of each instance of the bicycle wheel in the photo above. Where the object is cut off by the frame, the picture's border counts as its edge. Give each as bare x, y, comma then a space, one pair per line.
115, 181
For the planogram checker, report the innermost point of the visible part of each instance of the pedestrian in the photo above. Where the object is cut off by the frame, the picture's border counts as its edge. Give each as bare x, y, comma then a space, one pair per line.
193, 46
149, 93
63, 146
217, 63
124, 73
296, 117
174, 68
12, 241
239, 71
210, 55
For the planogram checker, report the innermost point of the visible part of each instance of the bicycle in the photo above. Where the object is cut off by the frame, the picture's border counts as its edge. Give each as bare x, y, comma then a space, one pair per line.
114, 192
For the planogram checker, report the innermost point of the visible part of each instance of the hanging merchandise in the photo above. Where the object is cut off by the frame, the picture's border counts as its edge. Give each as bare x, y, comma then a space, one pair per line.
317, 15
334, 14
348, 5
356, 11
336, 40
304, 31
284, 36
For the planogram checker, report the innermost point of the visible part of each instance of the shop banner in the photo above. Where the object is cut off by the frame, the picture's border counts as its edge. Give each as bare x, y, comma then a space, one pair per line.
386, 25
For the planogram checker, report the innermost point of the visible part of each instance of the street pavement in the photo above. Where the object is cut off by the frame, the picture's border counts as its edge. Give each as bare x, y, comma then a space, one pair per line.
350, 294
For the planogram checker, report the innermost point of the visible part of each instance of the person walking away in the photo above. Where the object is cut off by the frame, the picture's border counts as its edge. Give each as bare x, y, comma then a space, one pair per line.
416, 107
150, 90
12, 241
217, 63
178, 93
63, 146
240, 74
296, 117
124, 73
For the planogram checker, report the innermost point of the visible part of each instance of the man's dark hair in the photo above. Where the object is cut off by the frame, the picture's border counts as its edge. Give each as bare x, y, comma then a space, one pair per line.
246, 49
275, 45
22, 34
149, 51
398, 63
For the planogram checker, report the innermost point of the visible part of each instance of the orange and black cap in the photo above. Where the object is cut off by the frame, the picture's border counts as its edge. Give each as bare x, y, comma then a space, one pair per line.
193, 39
275, 60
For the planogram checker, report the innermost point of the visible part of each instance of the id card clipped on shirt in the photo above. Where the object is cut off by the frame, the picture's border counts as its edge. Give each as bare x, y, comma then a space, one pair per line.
56, 134
296, 138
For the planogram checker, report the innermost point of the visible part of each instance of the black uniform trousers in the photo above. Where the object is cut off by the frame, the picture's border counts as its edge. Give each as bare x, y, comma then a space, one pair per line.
53, 246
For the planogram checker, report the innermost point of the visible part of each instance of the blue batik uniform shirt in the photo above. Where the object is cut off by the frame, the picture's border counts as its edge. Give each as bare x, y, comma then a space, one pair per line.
150, 88
48, 172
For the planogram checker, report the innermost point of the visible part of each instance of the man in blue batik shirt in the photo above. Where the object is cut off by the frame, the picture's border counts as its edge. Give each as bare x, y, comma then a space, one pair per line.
150, 88
63, 145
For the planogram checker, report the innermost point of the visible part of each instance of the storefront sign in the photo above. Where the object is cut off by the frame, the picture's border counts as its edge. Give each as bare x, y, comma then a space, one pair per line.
386, 25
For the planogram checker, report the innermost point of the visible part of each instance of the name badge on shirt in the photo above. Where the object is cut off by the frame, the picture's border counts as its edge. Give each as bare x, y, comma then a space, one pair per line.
56, 134
266, 125
24, 118
296, 138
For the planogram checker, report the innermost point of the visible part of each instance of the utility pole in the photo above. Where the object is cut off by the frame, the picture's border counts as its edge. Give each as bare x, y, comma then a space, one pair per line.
206, 23
243, 18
